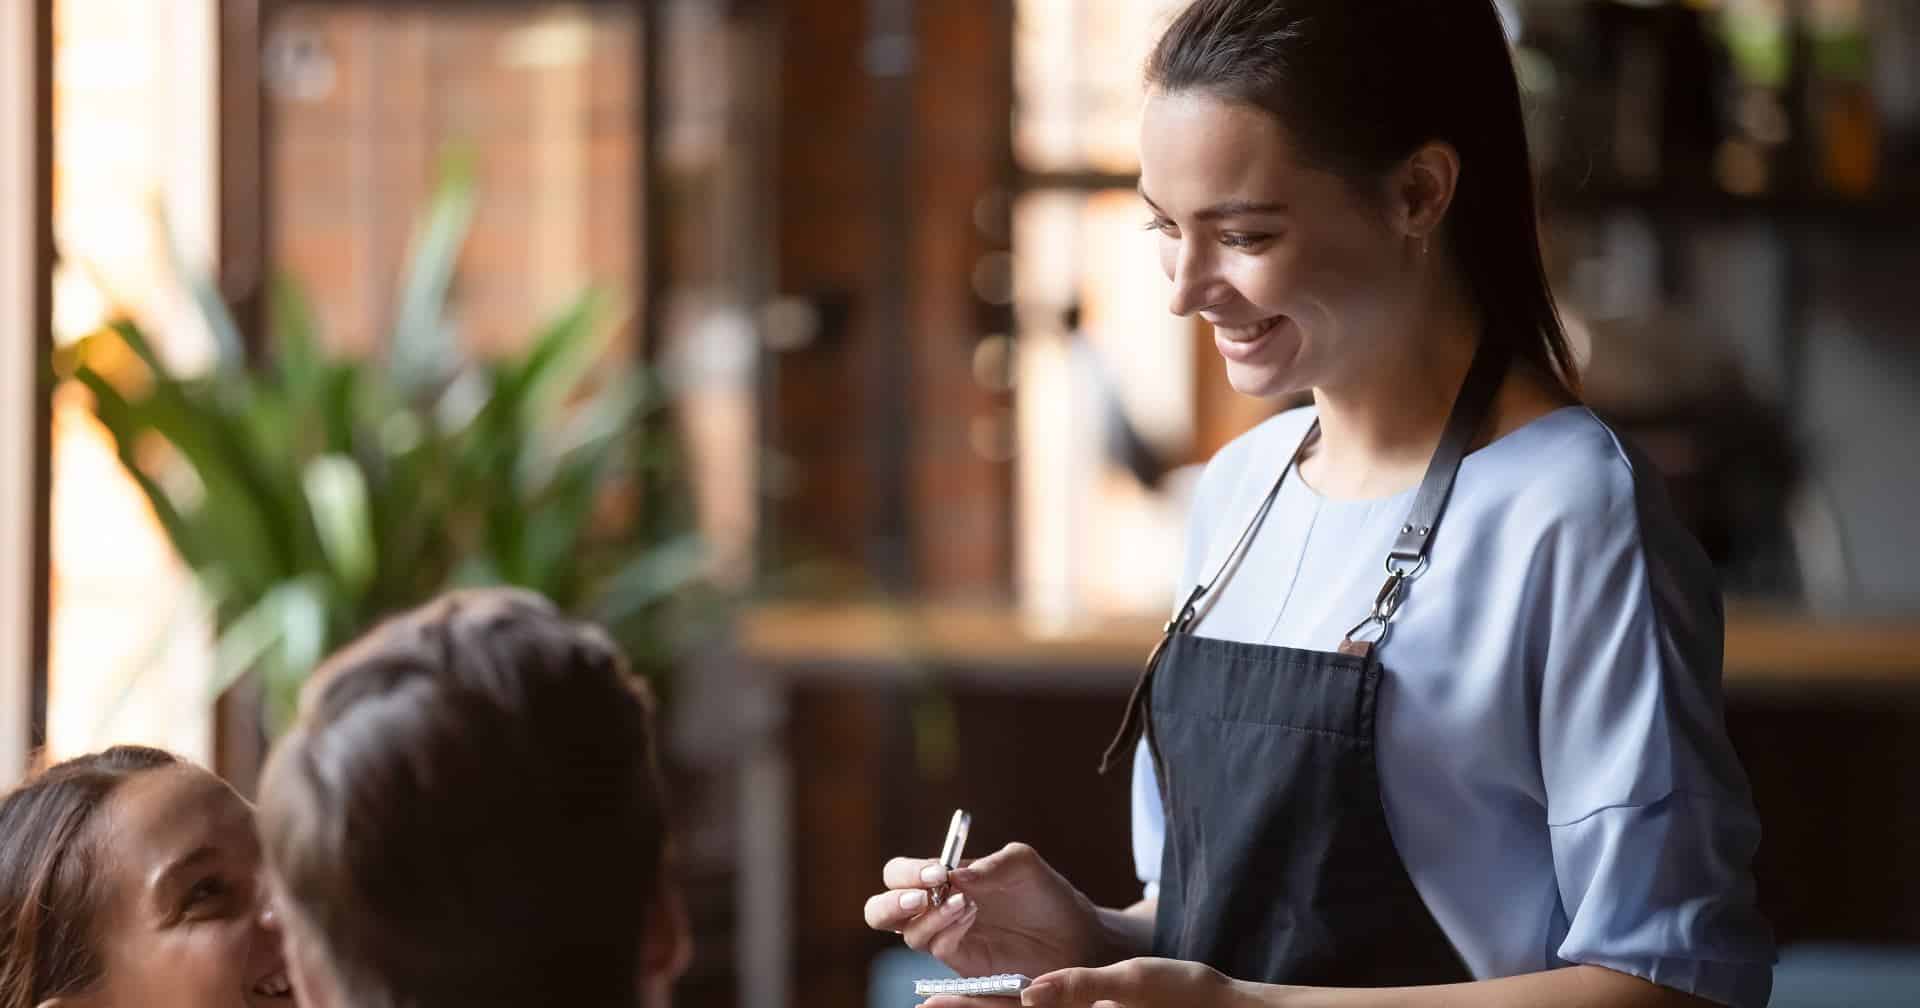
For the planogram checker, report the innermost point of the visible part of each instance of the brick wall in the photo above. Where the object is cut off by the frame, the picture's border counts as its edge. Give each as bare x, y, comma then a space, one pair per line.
851, 153
544, 98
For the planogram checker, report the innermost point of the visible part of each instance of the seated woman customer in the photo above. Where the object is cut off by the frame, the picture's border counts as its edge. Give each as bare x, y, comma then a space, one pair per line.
467, 813
128, 879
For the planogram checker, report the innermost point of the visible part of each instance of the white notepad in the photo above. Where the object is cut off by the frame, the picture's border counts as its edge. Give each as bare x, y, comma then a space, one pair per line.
1000, 985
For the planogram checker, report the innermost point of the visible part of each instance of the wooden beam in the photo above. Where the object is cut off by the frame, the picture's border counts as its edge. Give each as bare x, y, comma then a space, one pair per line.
885, 396
243, 249
244, 239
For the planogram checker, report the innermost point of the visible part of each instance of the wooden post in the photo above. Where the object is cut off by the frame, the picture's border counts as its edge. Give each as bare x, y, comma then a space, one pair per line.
239, 738
26, 244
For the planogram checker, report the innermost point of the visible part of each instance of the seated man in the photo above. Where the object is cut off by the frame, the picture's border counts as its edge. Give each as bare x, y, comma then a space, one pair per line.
467, 813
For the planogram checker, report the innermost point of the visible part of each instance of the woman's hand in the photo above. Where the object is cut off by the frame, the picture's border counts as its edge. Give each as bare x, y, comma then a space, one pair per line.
1135, 983
1145, 983
1008, 912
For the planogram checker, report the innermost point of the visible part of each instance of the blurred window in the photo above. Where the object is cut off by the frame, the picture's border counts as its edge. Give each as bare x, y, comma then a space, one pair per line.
364, 101
1117, 397
134, 139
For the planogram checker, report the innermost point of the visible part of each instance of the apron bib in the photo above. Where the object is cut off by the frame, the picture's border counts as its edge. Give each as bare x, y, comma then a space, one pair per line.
1278, 865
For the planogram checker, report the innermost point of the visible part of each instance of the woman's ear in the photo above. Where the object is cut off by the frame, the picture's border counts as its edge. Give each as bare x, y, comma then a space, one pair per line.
1423, 188
667, 948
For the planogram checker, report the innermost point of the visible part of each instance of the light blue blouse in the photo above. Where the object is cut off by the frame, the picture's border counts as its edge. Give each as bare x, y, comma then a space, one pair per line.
1553, 759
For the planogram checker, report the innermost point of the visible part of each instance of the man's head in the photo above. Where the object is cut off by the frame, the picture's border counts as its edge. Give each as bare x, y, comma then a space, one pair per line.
467, 812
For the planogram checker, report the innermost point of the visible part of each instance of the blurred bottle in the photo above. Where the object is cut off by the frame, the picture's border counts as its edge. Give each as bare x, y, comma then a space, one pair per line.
1845, 146
1758, 37
1639, 86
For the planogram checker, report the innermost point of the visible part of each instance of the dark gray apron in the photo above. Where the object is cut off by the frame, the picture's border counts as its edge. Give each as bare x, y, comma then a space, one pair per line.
1278, 865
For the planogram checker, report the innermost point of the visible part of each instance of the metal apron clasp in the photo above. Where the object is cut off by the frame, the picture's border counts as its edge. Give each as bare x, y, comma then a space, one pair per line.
1369, 632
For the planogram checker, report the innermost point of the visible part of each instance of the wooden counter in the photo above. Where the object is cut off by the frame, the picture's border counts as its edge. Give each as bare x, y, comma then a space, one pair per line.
1764, 648
847, 766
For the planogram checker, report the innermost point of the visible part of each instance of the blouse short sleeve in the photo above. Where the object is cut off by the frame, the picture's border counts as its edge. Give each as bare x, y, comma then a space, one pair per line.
1652, 827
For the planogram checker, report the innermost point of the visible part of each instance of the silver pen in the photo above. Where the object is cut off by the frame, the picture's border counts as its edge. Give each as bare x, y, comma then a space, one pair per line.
950, 851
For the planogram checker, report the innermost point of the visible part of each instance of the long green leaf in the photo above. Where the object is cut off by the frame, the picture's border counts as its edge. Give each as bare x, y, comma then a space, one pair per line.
421, 347
562, 353
297, 359
286, 624
337, 499
230, 351
612, 415
208, 421
559, 524
649, 578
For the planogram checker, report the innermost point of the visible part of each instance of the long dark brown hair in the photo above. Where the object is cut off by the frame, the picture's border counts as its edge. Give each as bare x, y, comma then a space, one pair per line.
50, 870
467, 812
1360, 85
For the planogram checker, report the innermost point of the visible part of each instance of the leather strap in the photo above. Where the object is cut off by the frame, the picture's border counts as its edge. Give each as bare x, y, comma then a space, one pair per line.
1469, 414
1136, 722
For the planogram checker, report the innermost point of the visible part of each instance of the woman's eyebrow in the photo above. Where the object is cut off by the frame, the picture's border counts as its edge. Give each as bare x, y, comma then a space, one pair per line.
1222, 211
173, 874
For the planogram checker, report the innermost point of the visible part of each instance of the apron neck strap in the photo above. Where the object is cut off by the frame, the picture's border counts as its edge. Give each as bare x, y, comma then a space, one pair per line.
1471, 406
1409, 553
1190, 611
1470, 409
1469, 413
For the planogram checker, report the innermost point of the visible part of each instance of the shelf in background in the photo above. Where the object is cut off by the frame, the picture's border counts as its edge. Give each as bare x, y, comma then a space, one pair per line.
1880, 214
1886, 213
991, 645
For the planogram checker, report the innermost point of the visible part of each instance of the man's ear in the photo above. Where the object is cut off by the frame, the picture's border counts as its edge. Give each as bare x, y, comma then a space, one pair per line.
667, 949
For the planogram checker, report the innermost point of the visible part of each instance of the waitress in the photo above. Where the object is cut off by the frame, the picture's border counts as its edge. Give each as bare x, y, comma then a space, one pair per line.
1437, 720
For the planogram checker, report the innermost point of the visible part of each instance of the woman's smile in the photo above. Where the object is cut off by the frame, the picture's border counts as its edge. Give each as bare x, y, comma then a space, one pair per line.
1242, 343
274, 985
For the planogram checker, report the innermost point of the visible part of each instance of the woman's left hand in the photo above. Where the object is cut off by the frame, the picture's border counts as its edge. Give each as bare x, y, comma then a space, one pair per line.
1135, 983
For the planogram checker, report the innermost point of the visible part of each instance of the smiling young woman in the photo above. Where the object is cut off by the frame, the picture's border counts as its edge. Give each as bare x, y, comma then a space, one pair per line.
130, 878
1494, 772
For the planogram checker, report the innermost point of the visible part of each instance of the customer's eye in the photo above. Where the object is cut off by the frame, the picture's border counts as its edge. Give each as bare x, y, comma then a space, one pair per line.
1244, 239
207, 891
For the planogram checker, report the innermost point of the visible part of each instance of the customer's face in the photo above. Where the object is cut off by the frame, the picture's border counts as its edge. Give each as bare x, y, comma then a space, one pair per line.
182, 920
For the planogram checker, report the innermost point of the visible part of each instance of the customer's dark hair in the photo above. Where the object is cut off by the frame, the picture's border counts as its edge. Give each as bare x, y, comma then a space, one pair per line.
467, 811
50, 872
1360, 85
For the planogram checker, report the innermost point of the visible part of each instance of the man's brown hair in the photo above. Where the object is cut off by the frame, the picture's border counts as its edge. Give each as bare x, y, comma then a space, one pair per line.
467, 811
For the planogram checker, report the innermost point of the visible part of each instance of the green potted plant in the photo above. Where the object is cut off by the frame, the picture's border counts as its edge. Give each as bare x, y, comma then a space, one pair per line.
312, 494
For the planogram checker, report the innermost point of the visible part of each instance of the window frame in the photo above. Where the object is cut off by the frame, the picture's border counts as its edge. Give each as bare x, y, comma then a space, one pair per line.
26, 169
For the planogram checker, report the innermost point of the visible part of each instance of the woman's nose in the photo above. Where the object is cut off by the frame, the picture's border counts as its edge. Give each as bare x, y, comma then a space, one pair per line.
1195, 288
